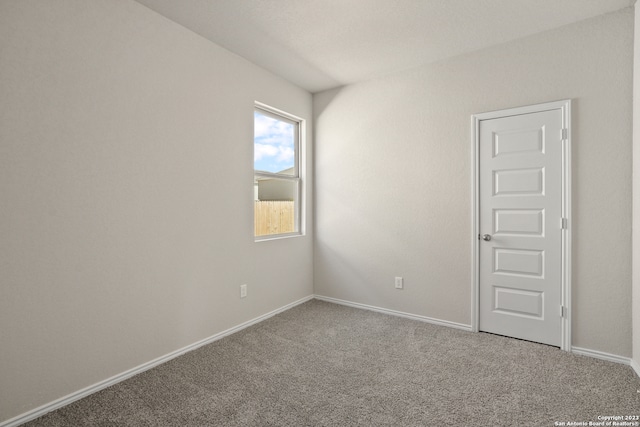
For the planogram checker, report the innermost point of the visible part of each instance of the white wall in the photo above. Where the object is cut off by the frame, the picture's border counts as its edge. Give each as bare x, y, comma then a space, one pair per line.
126, 188
393, 184
636, 193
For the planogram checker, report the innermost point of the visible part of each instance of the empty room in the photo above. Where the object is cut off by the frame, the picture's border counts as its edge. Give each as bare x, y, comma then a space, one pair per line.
319, 213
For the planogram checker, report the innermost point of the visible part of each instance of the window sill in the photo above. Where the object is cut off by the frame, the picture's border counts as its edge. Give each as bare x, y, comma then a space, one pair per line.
277, 237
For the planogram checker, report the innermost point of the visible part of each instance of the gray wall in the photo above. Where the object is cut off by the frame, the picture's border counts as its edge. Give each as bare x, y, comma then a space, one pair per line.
126, 188
393, 184
636, 193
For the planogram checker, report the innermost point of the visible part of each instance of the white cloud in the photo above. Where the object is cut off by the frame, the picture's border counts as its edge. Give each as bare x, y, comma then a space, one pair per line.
260, 151
286, 154
272, 131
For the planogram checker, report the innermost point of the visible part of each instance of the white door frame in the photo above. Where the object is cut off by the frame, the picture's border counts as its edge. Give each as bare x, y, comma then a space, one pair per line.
565, 107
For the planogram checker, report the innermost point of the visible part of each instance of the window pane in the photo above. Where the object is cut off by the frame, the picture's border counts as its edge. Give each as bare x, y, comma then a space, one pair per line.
274, 145
275, 206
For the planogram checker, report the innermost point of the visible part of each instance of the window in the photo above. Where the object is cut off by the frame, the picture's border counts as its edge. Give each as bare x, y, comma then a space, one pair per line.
276, 168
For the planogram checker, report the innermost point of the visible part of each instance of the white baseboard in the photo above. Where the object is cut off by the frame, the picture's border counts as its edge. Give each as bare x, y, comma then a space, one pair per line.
70, 398
601, 355
396, 313
635, 366
42, 410
577, 350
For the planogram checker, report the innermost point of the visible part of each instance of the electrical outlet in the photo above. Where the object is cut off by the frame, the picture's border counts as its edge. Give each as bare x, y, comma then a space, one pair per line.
399, 283
243, 291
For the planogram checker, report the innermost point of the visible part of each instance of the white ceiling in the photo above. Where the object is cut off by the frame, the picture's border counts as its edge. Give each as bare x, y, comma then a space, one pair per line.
320, 44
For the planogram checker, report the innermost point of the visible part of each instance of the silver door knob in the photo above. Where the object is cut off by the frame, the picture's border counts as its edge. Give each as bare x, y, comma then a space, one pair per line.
486, 237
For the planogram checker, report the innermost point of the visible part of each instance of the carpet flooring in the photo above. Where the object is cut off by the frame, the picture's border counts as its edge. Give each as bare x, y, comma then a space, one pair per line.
321, 364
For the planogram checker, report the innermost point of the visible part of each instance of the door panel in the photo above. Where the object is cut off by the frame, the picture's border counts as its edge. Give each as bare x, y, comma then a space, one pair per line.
518, 302
520, 205
518, 262
518, 222
518, 182
518, 141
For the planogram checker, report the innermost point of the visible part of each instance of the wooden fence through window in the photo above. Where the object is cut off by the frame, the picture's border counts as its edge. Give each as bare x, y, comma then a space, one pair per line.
274, 217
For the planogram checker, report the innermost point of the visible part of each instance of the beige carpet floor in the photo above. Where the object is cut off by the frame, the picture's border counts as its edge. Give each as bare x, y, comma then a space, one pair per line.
321, 364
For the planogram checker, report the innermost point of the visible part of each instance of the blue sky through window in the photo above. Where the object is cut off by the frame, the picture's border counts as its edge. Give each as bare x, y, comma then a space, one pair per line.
273, 144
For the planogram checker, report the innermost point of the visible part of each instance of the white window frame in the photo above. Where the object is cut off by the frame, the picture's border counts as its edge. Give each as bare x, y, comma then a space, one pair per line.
296, 177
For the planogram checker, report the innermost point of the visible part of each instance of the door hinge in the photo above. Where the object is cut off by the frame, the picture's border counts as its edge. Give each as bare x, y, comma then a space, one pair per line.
565, 223
565, 133
563, 311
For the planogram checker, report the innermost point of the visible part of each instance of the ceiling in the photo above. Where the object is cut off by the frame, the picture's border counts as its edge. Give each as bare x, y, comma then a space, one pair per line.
320, 44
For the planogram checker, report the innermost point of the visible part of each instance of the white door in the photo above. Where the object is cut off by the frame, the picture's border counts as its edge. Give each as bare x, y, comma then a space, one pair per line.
520, 226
